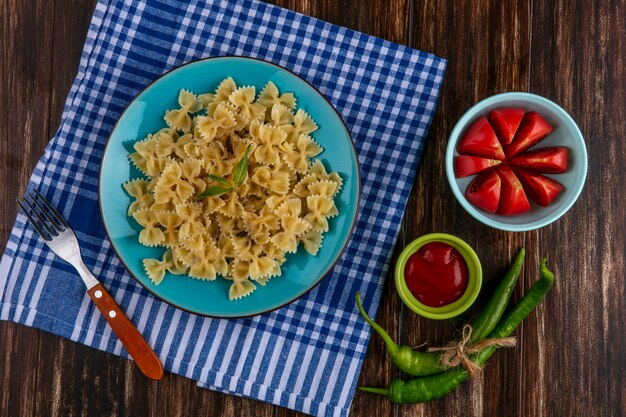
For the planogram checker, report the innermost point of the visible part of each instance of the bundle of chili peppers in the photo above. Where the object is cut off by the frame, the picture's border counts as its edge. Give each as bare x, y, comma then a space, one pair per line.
435, 379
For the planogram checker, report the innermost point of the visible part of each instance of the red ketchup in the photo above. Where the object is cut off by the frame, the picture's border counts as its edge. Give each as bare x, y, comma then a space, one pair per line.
436, 274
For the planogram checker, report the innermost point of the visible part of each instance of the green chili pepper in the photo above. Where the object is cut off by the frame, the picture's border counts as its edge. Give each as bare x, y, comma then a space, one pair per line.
436, 386
490, 315
421, 390
417, 363
520, 311
406, 359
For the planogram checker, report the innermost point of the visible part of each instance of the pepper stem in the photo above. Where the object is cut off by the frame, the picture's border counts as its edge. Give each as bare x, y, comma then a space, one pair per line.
546, 274
392, 347
381, 391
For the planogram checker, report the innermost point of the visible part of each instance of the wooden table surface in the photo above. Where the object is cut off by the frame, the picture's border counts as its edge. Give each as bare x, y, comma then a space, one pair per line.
571, 358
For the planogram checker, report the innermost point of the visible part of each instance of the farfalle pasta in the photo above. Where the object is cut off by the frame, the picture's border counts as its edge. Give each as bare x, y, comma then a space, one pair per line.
230, 188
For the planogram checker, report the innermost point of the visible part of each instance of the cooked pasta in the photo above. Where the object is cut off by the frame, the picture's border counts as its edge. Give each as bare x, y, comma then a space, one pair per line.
230, 187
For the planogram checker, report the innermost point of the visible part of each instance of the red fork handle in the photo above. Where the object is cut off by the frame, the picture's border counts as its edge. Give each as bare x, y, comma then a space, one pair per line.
133, 341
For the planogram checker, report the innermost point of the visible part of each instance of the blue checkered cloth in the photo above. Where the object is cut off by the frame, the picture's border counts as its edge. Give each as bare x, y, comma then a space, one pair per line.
307, 355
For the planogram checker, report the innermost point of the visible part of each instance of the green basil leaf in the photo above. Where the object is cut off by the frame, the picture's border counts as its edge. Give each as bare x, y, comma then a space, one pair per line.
220, 180
212, 192
241, 170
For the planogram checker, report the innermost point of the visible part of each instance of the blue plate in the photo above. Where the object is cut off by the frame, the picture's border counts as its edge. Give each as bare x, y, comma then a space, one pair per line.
144, 115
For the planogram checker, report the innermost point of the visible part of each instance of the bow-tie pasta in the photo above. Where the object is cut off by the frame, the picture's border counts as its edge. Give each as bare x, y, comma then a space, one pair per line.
242, 233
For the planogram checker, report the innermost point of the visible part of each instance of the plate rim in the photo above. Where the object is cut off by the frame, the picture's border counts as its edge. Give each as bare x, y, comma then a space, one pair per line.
322, 275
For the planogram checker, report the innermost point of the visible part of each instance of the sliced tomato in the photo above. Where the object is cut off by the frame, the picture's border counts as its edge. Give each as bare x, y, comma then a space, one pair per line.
481, 140
541, 189
505, 122
551, 160
513, 200
466, 165
484, 191
532, 129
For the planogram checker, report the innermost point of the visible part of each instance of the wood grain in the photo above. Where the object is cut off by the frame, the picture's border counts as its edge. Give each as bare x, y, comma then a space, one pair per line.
24, 114
570, 360
18, 354
75, 380
25, 98
490, 57
574, 347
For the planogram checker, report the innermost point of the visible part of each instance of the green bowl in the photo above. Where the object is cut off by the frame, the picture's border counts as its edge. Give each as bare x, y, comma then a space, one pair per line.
474, 282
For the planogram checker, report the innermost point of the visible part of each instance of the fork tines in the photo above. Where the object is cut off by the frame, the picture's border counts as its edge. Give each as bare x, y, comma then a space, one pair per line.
42, 215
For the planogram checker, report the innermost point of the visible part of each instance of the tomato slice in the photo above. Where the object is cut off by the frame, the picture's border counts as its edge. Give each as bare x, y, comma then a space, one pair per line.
532, 129
484, 191
466, 165
513, 200
481, 140
541, 189
505, 122
551, 160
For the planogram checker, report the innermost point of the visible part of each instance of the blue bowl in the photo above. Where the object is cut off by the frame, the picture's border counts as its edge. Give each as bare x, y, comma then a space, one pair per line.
566, 133
144, 115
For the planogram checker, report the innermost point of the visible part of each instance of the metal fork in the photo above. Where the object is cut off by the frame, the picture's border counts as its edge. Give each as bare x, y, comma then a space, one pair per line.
60, 238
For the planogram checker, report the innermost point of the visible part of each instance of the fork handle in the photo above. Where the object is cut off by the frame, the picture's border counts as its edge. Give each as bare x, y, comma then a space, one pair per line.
133, 341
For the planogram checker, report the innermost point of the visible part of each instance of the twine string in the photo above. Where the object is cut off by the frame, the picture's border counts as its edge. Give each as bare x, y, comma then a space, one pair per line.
457, 353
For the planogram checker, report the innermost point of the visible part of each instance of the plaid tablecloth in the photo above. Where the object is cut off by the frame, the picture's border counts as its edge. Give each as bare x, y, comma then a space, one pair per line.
307, 355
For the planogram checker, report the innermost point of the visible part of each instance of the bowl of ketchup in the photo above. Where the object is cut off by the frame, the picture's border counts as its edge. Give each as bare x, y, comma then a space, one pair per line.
438, 276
